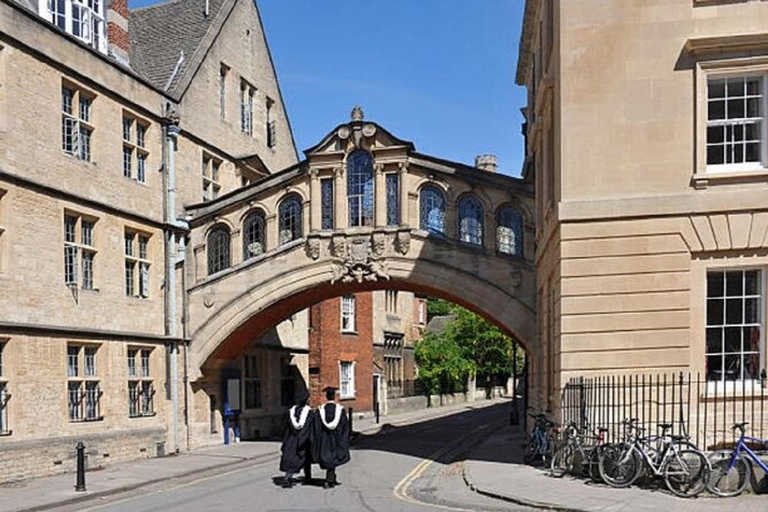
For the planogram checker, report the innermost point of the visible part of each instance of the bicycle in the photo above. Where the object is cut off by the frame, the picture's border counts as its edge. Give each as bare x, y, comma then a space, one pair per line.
576, 451
685, 471
539, 443
731, 474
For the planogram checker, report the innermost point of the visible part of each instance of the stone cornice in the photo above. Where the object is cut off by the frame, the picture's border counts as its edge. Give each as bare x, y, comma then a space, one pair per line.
705, 48
525, 52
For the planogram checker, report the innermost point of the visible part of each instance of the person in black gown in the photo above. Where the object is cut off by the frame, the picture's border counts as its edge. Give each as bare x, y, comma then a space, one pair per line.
330, 440
296, 449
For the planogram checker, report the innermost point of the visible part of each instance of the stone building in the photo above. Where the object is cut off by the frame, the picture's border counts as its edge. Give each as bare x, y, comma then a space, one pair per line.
161, 242
646, 134
112, 121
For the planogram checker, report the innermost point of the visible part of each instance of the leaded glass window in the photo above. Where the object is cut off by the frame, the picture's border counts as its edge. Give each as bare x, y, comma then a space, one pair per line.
253, 235
432, 210
470, 220
218, 250
360, 188
393, 202
509, 231
290, 219
326, 203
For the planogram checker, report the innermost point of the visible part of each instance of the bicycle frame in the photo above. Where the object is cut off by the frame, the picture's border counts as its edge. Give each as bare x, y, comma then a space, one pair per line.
742, 446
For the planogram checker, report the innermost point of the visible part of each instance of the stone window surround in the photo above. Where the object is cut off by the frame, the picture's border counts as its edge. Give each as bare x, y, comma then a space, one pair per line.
141, 388
80, 121
247, 93
83, 382
211, 172
3, 232
5, 396
79, 248
134, 146
716, 58
137, 257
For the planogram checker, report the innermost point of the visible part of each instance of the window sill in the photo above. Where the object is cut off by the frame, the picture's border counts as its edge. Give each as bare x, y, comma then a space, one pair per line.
713, 177
94, 420
350, 333
5, 433
346, 398
150, 415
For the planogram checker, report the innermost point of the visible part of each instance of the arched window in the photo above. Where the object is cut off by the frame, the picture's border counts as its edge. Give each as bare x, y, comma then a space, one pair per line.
218, 250
253, 235
289, 219
470, 220
432, 209
360, 188
509, 231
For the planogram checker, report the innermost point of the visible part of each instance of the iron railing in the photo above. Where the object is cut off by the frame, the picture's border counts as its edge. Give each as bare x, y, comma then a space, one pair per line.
701, 409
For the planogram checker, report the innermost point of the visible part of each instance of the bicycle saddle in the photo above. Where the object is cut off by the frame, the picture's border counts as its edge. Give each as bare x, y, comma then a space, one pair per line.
665, 426
602, 429
740, 426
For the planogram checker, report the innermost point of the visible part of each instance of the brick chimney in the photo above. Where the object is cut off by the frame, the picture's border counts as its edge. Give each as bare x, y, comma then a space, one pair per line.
486, 163
117, 30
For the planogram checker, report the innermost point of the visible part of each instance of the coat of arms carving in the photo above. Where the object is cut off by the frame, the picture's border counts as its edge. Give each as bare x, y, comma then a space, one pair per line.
359, 263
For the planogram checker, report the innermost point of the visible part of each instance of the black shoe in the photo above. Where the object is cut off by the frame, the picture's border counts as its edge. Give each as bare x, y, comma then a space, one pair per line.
307, 480
287, 484
327, 485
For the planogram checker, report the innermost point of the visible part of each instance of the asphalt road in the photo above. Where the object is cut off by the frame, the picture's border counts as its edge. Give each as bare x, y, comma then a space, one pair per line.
414, 468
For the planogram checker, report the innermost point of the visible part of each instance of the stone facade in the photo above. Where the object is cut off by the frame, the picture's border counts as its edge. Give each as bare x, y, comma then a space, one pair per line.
46, 179
631, 219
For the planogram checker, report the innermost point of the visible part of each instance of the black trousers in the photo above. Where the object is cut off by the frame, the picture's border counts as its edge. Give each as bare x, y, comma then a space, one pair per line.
330, 476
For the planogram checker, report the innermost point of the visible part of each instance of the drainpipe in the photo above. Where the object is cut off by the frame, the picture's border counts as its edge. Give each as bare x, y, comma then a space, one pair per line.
172, 132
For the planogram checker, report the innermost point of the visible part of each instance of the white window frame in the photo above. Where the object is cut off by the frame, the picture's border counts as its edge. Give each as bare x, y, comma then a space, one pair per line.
749, 384
422, 312
135, 154
76, 124
348, 320
80, 254
347, 388
137, 263
745, 166
211, 171
91, 20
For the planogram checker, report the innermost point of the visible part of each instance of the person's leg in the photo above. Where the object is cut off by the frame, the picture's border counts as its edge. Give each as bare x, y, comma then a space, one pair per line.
288, 481
332, 476
307, 472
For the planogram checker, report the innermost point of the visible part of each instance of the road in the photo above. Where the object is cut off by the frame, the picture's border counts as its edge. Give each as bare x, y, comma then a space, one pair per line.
413, 468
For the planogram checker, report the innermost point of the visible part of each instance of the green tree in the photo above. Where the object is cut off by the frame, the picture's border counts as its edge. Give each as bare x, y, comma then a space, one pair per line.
438, 307
442, 366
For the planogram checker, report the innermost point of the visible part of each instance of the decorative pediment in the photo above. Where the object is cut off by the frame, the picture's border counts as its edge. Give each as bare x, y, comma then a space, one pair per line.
357, 134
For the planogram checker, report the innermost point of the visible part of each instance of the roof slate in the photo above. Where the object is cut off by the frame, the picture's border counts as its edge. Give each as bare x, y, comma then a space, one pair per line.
160, 33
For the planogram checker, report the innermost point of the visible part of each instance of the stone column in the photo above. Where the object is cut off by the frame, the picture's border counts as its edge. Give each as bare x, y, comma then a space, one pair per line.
379, 196
405, 218
272, 234
489, 232
451, 220
315, 202
340, 198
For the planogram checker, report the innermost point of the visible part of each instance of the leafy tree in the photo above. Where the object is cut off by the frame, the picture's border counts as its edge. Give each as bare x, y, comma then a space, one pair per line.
442, 366
438, 307
486, 351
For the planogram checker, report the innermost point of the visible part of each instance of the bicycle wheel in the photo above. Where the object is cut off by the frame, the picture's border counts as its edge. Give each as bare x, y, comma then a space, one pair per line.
531, 451
562, 461
593, 464
620, 465
686, 473
727, 481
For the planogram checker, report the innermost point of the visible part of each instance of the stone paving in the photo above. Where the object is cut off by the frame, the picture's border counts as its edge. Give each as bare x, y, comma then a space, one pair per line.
495, 468
50, 492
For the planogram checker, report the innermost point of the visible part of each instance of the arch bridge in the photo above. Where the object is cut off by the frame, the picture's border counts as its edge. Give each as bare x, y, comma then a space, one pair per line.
364, 210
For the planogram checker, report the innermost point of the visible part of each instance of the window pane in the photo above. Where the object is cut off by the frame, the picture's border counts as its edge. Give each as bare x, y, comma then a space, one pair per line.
218, 250
432, 210
714, 340
360, 188
290, 220
716, 88
733, 311
393, 199
734, 284
471, 221
253, 235
715, 284
327, 203
732, 339
715, 368
716, 110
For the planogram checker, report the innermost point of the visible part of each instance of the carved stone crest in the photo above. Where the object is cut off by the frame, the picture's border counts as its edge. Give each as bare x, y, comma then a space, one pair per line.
209, 300
360, 264
403, 242
313, 248
516, 279
339, 247
379, 244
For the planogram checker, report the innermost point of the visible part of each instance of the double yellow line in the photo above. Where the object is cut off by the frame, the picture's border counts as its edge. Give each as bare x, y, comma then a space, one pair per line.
401, 489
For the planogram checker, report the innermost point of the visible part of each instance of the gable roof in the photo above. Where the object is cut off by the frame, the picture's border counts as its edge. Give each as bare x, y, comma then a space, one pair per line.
170, 38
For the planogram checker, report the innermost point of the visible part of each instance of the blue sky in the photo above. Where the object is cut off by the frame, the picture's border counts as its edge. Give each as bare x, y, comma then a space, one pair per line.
437, 72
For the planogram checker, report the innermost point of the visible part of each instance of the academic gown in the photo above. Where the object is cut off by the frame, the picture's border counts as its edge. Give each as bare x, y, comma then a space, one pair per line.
330, 448
296, 448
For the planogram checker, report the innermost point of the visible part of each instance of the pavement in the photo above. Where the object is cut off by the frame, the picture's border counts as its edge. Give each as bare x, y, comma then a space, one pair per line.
495, 468
150, 474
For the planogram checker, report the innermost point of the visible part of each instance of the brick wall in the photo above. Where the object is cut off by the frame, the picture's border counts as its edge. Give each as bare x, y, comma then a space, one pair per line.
328, 346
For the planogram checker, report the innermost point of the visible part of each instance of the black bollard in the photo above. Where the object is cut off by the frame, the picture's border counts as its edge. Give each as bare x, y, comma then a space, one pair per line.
351, 421
80, 485
377, 413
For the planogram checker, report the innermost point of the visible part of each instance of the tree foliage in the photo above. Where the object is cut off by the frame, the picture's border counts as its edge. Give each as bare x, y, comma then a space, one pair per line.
469, 345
